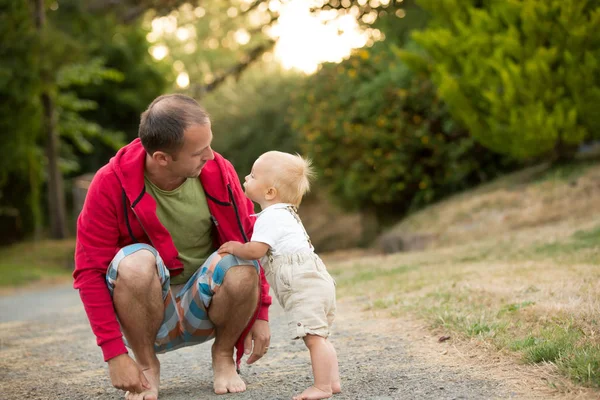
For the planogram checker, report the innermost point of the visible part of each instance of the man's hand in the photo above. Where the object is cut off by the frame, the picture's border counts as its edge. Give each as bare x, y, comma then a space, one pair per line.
126, 375
229, 248
260, 334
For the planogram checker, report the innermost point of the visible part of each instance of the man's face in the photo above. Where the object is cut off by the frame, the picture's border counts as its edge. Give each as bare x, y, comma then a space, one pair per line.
196, 151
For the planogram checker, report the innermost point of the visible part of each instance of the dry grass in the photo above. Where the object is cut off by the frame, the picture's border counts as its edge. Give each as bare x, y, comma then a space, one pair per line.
532, 198
514, 265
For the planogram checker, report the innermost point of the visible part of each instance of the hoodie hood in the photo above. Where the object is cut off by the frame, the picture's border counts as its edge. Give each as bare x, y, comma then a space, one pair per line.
129, 165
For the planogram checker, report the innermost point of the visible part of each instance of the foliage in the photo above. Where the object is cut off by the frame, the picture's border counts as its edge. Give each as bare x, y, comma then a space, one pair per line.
134, 78
100, 77
74, 130
382, 139
523, 76
20, 112
393, 20
213, 40
248, 117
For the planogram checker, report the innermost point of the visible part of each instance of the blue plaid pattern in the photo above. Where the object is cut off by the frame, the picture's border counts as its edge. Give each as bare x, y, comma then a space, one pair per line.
185, 321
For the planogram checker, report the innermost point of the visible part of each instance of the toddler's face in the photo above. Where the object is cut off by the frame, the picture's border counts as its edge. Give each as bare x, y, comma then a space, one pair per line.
258, 182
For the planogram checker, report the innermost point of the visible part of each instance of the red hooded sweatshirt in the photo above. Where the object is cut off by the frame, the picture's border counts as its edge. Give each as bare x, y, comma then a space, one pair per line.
118, 212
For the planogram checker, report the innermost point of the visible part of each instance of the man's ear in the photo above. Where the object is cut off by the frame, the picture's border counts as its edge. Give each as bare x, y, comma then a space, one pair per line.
161, 158
271, 193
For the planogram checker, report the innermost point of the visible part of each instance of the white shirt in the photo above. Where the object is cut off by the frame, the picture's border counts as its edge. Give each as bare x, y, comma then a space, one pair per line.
277, 227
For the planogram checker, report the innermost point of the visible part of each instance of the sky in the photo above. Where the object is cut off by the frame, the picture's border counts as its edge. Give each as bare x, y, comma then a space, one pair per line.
304, 40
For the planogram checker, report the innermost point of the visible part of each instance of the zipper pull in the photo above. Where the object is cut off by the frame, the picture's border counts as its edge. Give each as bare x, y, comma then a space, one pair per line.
214, 220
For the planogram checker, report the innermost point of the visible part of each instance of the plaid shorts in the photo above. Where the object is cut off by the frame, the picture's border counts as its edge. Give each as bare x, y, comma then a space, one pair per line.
185, 321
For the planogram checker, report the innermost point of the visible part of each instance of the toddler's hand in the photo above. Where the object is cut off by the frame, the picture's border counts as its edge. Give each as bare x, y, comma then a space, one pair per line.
228, 248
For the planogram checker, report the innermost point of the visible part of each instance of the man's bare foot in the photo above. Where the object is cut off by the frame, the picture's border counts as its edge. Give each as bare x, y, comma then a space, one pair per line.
153, 376
313, 393
336, 387
226, 378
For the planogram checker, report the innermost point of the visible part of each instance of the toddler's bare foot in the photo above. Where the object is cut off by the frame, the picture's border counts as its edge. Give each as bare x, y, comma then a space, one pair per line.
336, 387
313, 393
226, 378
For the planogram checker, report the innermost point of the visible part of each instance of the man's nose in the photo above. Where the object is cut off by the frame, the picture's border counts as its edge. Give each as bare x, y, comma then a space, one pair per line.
211, 154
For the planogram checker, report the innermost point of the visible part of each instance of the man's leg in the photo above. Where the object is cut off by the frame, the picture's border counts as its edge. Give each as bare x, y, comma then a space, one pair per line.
138, 301
231, 308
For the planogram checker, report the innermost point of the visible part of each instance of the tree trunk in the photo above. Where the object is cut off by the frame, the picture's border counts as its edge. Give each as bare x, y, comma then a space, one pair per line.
56, 196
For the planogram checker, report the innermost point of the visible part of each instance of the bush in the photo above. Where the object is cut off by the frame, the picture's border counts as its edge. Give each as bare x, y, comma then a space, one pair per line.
382, 139
523, 76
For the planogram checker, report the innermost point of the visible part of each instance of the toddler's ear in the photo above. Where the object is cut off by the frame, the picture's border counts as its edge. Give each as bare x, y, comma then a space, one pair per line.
271, 193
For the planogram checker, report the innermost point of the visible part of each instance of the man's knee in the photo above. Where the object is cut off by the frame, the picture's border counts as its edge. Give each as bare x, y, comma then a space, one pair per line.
137, 270
241, 281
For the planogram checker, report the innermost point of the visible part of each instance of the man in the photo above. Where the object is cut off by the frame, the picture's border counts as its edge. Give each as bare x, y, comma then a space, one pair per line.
145, 260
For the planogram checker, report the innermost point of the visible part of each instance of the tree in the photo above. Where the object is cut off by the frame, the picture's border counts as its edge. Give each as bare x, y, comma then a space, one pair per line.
382, 140
119, 80
213, 41
65, 119
392, 19
249, 116
60, 75
80, 135
522, 76
20, 111
56, 196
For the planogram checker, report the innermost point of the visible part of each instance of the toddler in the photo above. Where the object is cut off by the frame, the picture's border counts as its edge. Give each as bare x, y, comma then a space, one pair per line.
297, 275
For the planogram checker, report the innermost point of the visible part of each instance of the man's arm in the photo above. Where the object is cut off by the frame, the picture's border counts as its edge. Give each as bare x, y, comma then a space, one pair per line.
248, 251
97, 244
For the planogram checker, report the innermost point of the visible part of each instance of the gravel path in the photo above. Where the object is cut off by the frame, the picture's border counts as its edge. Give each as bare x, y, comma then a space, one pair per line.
47, 351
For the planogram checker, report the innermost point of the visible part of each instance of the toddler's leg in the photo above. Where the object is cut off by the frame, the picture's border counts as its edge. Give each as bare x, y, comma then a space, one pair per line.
322, 357
335, 371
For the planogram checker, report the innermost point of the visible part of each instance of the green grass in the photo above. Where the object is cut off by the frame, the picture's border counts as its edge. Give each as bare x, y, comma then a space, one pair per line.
511, 308
522, 344
505, 268
464, 291
28, 262
582, 246
559, 341
563, 345
371, 274
583, 365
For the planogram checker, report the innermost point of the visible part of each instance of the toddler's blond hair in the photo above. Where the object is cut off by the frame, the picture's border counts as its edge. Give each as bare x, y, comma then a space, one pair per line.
291, 175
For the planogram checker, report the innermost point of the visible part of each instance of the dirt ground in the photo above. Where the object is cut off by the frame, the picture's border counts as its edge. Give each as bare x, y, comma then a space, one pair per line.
47, 351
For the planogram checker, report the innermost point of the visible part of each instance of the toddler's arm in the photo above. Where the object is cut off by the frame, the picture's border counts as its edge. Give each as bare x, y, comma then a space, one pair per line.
248, 251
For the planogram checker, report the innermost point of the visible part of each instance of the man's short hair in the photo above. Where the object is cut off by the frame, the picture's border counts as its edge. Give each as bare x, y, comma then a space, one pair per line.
162, 125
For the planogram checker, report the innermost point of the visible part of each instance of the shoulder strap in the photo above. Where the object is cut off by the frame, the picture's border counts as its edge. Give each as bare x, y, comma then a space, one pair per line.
294, 211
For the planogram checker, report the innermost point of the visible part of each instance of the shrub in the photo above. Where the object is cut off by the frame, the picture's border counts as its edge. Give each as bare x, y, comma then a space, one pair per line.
382, 139
522, 76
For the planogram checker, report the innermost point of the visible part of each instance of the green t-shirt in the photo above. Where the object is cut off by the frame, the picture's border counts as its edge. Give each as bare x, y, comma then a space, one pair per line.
184, 212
